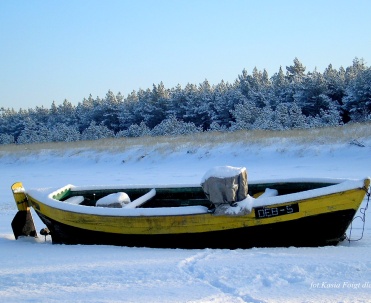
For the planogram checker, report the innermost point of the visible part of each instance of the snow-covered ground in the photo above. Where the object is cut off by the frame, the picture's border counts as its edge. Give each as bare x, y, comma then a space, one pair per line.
37, 271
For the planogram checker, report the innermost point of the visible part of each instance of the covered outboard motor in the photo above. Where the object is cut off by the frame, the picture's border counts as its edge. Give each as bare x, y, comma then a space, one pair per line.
225, 184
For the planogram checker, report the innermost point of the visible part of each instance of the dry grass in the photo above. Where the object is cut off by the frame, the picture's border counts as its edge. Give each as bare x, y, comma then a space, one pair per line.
328, 135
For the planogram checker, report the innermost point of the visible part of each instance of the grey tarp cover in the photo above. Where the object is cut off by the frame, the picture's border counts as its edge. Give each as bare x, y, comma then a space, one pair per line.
226, 189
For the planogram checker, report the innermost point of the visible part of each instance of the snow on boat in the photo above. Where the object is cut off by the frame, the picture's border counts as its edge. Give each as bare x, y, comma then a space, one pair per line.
223, 212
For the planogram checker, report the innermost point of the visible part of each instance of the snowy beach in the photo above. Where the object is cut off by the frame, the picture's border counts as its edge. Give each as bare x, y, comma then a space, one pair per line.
34, 270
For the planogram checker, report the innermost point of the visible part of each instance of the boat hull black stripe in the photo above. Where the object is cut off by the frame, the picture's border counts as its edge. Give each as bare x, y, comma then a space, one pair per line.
318, 230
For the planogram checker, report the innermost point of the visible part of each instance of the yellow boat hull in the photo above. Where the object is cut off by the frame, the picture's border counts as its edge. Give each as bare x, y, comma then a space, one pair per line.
318, 220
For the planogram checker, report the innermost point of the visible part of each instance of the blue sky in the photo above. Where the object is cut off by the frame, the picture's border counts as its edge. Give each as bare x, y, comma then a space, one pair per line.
56, 50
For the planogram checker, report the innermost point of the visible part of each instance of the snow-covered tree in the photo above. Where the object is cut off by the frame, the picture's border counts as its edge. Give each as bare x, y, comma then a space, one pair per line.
298, 120
226, 97
244, 115
127, 114
96, 131
12, 122
152, 105
335, 82
61, 132
135, 130
264, 119
189, 104
203, 105
111, 110
85, 112
215, 126
255, 87
64, 113
34, 133
173, 126
312, 96
282, 116
358, 96
176, 104
279, 89
327, 117
40, 115
295, 73
292, 100
356, 68
6, 139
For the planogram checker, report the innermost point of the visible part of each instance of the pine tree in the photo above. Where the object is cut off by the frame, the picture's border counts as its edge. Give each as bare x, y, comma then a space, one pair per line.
264, 119
84, 112
245, 115
225, 102
358, 97
62, 132
327, 117
172, 126
127, 113
111, 108
312, 97
352, 72
295, 73
335, 82
190, 104
279, 89
34, 132
64, 113
6, 139
176, 104
135, 130
96, 131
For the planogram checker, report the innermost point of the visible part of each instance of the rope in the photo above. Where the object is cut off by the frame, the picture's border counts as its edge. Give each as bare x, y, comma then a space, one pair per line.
362, 216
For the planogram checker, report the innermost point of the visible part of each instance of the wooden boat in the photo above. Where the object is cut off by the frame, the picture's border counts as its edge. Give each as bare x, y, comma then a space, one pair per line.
307, 212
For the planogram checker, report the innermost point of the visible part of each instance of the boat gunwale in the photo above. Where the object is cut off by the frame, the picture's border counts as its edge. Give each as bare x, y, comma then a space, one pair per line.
45, 196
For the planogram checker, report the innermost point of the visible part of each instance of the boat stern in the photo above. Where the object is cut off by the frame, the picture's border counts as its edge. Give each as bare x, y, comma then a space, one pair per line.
22, 224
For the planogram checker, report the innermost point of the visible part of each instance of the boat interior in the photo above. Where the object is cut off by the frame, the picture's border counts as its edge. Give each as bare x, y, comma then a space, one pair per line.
182, 196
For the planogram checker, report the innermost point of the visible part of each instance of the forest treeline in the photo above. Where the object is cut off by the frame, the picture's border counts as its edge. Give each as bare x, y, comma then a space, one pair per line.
289, 99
